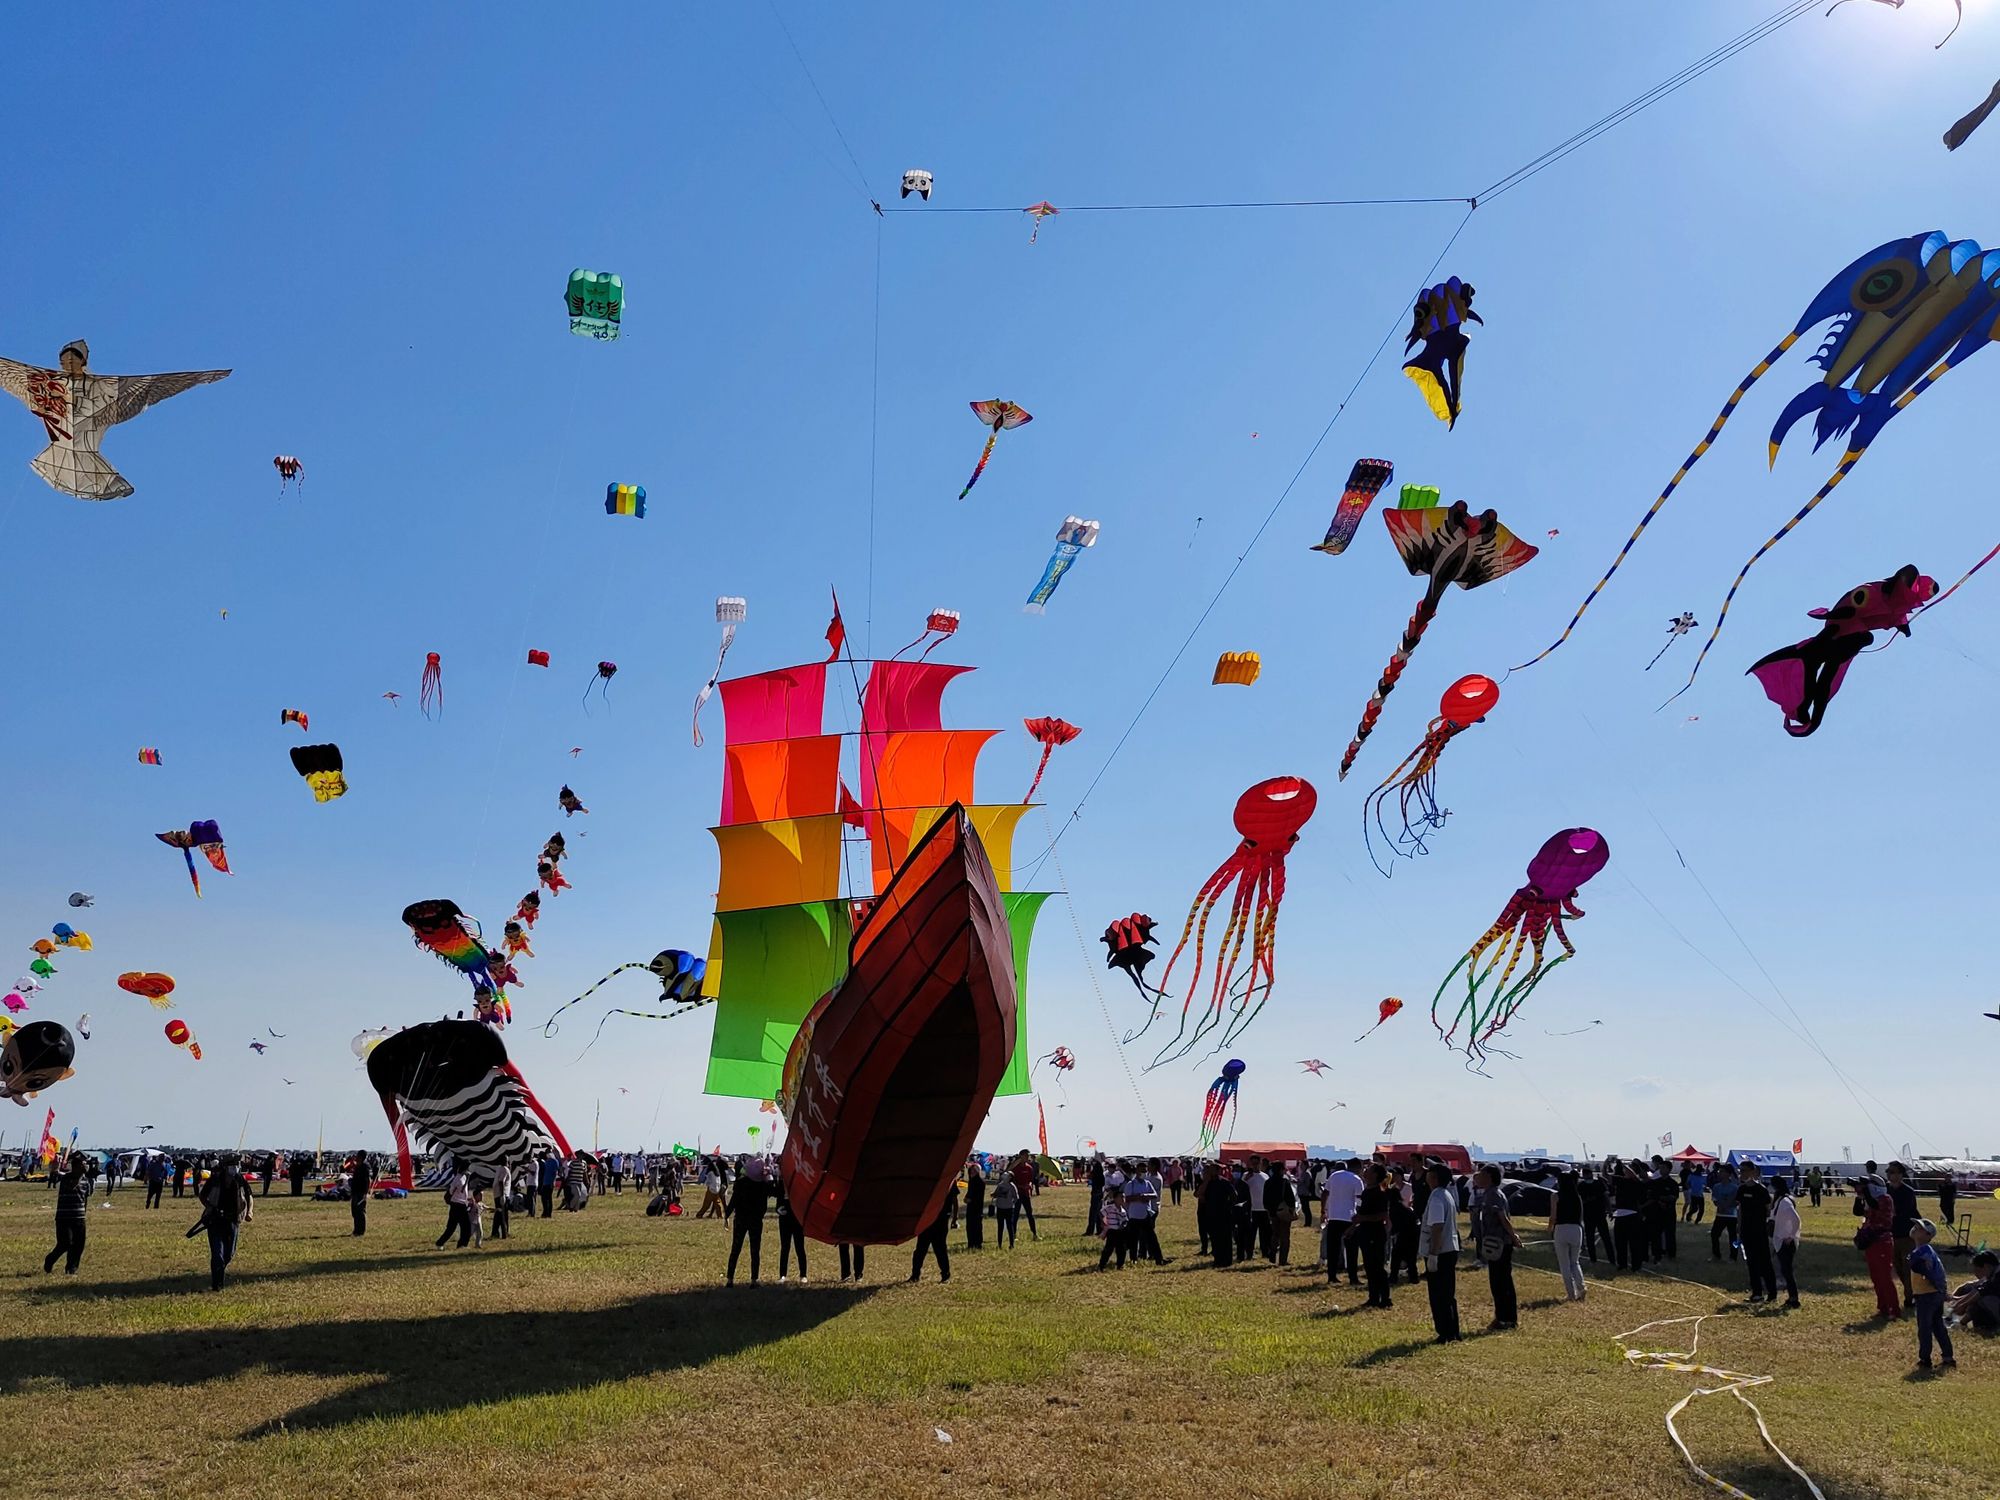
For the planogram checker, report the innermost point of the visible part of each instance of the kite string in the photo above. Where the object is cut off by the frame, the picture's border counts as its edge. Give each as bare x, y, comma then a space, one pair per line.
1251, 546
825, 108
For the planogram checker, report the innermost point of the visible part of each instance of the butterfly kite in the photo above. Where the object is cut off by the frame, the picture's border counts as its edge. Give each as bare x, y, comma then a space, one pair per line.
1450, 545
1048, 733
1903, 315
1802, 679
999, 416
1438, 322
1221, 1101
1268, 816
1677, 627
1127, 943
203, 835
1364, 483
77, 408
1560, 867
1465, 703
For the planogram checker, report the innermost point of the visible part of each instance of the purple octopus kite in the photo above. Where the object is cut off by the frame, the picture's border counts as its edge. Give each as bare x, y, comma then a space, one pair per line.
1558, 870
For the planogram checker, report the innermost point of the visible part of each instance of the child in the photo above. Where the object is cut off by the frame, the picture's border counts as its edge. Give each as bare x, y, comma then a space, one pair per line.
476, 1210
1114, 1227
1006, 1209
1927, 1273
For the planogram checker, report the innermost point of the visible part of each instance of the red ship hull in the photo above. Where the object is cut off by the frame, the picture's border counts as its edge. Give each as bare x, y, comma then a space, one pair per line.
896, 1067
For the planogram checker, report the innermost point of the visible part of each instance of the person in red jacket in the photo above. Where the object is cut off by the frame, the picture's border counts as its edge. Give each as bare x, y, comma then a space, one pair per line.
1023, 1173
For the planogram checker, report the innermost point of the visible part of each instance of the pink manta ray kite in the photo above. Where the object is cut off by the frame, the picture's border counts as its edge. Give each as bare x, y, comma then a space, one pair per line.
1802, 679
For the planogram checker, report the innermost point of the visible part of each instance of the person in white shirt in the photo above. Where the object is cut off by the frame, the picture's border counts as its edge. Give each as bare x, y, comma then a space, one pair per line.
1785, 1236
1343, 1191
503, 1198
1142, 1202
458, 1216
1260, 1218
1440, 1242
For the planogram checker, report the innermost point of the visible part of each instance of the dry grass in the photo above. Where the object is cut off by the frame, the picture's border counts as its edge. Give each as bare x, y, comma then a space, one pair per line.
599, 1355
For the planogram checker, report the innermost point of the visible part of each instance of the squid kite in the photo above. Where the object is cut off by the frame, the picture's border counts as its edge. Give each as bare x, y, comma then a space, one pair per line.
1450, 546
1903, 315
1560, 867
1466, 702
1221, 1101
289, 469
942, 623
999, 416
601, 680
1438, 322
1268, 816
1802, 679
77, 408
729, 613
1383, 1011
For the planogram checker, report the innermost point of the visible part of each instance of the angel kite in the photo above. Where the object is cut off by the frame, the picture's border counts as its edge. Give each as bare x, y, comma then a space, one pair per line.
76, 407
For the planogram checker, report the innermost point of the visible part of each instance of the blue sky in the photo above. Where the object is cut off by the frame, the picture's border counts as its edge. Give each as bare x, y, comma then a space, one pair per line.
370, 215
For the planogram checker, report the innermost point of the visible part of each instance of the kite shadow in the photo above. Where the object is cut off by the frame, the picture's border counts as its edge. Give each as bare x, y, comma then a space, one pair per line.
1767, 1477
195, 1277
420, 1366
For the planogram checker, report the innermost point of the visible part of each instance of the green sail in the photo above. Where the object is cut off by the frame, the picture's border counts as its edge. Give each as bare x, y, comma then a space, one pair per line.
777, 962
1022, 909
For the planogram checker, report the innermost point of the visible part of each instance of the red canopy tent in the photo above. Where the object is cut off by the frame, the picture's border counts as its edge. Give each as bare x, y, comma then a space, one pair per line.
1689, 1153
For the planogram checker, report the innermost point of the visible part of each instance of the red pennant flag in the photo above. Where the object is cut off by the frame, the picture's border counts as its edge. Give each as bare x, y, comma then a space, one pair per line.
851, 811
1042, 1124
1798, 1145
836, 632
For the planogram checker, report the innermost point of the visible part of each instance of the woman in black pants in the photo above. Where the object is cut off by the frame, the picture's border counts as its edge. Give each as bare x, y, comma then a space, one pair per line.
975, 1206
854, 1259
1628, 1218
1402, 1229
1370, 1234
1498, 1240
360, 1179
935, 1240
72, 1205
1215, 1205
791, 1236
752, 1196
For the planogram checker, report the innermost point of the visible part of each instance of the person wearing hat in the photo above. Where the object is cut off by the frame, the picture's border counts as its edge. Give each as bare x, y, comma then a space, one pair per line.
1928, 1271
1875, 1240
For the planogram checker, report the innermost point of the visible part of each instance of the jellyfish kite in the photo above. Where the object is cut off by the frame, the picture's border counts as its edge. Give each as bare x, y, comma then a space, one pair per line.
1000, 416
153, 988
289, 469
601, 680
1903, 315
1677, 627
178, 1033
1383, 1011
1450, 545
1414, 783
203, 834
1560, 867
77, 408
321, 767
1127, 942
1802, 679
569, 802
1048, 733
431, 689
1438, 322
1221, 1101
1364, 483
1072, 537
730, 612
1268, 816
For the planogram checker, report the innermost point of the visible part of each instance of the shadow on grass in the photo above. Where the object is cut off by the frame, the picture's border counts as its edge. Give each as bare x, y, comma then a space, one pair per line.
195, 1278
1770, 1480
415, 1366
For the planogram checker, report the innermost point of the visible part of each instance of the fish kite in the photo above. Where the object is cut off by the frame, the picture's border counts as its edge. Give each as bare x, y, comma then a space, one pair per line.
1450, 545
320, 765
1048, 733
203, 834
1072, 537
78, 407
1903, 315
1438, 321
680, 975
999, 416
1802, 679
1677, 627
1364, 483
1466, 702
730, 612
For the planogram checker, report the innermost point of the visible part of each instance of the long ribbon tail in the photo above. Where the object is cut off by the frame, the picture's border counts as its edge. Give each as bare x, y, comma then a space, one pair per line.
1661, 652
193, 874
643, 1015
1721, 420
980, 467
1962, 579
1847, 463
912, 646
728, 640
1043, 765
1963, 127
1393, 672
549, 1027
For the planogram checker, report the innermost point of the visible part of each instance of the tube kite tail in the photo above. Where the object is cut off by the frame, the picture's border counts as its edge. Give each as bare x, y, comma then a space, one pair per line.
642, 1015
549, 1027
1847, 463
1393, 672
980, 467
1708, 439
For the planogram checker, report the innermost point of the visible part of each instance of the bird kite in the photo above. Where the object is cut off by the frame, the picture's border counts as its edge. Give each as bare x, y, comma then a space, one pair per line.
601, 680
1903, 315
392, 697
730, 612
1383, 1011
1313, 1066
77, 408
1268, 816
625, 500
294, 716
203, 834
1466, 702
153, 988
178, 1033
1048, 733
1438, 321
1072, 537
1802, 679
431, 689
999, 416
1451, 545
1039, 212
1677, 627
289, 469
1127, 943
1238, 667
569, 802
1221, 1101
1560, 867
596, 302
1364, 483
260, 1048
320, 765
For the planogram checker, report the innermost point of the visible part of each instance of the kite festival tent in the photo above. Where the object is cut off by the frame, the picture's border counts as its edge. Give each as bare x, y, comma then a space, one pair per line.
1769, 1161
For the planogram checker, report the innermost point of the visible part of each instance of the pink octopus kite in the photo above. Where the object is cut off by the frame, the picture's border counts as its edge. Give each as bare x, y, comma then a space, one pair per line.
1269, 816
1555, 874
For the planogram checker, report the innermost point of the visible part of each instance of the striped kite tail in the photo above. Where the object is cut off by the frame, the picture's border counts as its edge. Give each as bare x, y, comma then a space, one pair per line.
1391, 674
984, 454
1715, 429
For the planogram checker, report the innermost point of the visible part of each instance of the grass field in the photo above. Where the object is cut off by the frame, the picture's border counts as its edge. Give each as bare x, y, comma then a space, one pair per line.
599, 1355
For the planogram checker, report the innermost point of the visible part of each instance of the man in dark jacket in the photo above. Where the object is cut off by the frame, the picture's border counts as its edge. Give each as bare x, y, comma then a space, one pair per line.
226, 1204
1904, 1197
299, 1164
753, 1196
360, 1179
